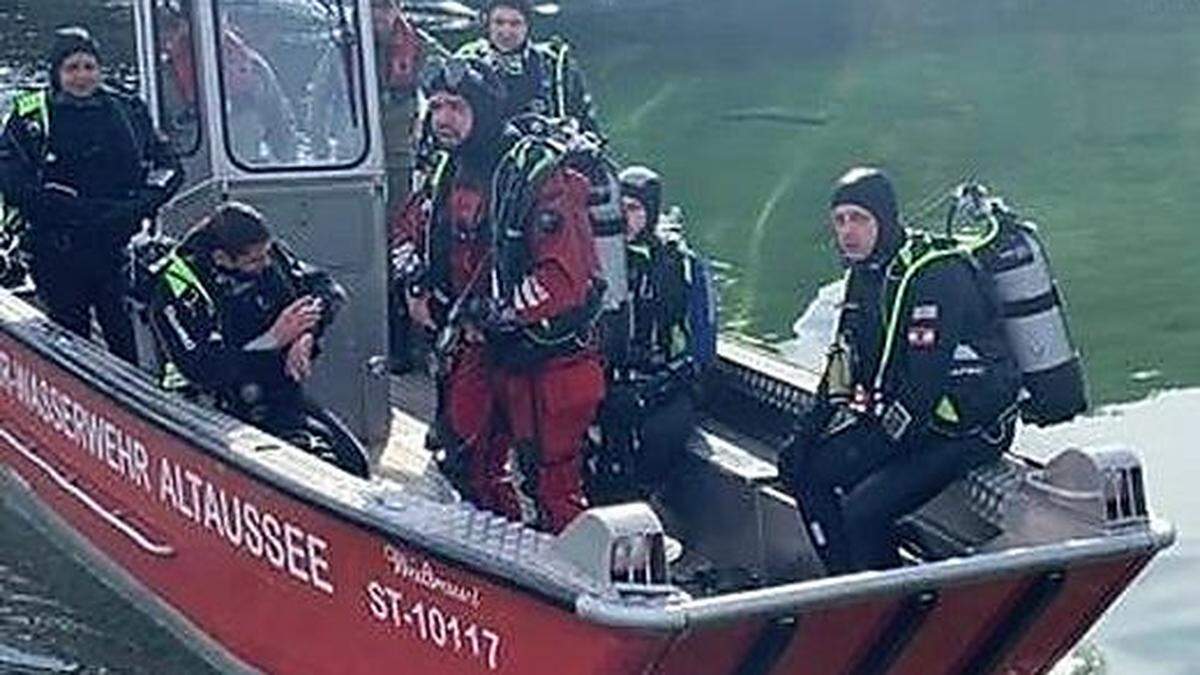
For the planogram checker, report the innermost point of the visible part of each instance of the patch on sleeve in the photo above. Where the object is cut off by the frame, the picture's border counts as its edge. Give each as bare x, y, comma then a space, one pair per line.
925, 313
922, 337
529, 294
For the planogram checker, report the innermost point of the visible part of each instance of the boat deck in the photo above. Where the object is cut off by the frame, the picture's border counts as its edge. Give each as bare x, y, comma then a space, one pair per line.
404, 458
413, 403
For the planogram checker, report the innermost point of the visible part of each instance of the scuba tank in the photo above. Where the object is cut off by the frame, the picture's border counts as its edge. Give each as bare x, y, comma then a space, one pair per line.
608, 233
1031, 308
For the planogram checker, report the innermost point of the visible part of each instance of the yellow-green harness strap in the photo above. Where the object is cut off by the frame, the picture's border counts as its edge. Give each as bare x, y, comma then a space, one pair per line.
921, 262
180, 277
31, 103
560, 80
441, 162
28, 104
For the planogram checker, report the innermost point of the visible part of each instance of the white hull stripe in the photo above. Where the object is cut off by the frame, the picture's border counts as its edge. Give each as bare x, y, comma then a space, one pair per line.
139, 538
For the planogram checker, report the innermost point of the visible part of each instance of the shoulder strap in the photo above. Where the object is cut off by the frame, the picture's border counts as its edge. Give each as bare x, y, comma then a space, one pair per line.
33, 104
180, 278
919, 252
437, 177
474, 49
558, 50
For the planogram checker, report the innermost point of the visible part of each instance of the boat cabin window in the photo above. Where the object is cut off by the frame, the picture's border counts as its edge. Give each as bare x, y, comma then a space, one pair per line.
291, 77
178, 104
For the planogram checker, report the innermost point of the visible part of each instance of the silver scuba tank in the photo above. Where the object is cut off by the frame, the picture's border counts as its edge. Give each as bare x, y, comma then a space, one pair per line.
608, 236
1035, 324
608, 232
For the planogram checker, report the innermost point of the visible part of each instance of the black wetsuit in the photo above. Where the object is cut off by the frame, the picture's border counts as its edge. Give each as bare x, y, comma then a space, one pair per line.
208, 328
532, 83
102, 148
649, 411
879, 446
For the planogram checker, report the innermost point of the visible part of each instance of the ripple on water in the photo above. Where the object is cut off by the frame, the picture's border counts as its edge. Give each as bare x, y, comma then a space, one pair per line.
14, 658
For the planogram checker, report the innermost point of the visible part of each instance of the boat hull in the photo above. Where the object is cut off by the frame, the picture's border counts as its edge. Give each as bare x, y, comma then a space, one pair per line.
257, 577
279, 583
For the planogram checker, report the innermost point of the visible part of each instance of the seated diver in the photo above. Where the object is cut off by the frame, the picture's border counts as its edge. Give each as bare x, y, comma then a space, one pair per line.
920, 385
650, 410
239, 318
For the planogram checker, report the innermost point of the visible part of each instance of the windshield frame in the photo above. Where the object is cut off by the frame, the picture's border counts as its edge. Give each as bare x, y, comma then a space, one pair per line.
350, 11
162, 83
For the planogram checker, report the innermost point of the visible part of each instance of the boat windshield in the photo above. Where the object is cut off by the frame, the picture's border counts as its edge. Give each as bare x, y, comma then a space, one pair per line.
175, 51
291, 84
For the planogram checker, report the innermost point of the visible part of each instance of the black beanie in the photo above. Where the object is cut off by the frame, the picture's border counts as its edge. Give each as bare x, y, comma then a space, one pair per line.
67, 41
525, 7
645, 185
871, 189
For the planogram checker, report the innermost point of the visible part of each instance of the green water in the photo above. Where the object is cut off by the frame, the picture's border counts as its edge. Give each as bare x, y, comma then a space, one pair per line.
1089, 120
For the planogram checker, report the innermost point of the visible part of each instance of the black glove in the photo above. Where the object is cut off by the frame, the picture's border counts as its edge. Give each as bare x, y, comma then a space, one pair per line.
494, 316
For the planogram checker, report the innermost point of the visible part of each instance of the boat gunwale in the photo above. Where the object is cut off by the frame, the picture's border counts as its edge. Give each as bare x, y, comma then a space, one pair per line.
816, 594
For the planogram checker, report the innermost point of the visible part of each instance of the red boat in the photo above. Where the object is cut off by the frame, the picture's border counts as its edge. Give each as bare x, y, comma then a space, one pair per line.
263, 558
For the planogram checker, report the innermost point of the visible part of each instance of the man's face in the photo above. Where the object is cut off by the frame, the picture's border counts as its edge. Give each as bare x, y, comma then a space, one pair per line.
451, 117
856, 230
507, 29
253, 261
635, 216
80, 74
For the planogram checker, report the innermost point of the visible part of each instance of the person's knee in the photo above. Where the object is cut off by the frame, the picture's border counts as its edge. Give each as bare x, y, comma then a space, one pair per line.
665, 433
863, 515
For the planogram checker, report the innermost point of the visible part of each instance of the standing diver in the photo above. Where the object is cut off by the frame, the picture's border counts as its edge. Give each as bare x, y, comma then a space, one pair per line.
539, 77
919, 388
522, 376
649, 410
84, 166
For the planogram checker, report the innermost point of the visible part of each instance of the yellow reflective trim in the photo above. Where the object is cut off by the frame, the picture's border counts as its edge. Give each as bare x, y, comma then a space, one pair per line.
889, 343
29, 102
560, 87
945, 410
180, 278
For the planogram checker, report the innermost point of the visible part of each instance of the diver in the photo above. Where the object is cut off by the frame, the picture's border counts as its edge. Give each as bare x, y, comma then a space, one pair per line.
540, 77
920, 384
240, 319
649, 412
502, 267
83, 166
